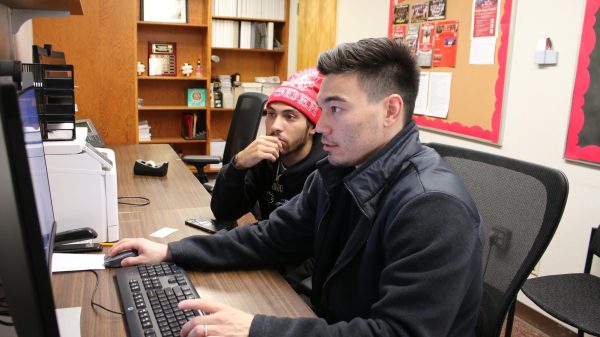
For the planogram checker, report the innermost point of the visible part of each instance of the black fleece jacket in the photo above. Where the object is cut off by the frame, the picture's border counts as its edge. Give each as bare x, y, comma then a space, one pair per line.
412, 263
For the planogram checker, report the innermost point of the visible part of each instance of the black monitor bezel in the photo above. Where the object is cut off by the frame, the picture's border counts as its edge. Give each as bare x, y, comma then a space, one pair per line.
24, 268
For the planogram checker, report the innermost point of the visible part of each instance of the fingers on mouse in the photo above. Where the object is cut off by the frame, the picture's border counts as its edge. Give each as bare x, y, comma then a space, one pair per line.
115, 261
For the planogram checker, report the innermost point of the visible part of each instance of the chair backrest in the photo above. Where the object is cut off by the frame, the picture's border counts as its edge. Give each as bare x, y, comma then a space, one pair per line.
244, 124
593, 249
520, 204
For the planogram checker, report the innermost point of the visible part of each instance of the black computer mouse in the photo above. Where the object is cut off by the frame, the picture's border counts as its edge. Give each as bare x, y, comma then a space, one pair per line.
115, 261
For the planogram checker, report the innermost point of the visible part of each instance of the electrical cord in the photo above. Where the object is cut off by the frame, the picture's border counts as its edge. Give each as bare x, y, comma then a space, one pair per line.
487, 259
94, 304
144, 201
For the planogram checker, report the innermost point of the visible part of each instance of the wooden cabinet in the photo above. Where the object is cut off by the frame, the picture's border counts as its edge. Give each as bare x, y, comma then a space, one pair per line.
105, 44
164, 97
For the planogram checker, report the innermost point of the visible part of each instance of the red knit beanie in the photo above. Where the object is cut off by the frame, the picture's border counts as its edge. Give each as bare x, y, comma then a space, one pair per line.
300, 92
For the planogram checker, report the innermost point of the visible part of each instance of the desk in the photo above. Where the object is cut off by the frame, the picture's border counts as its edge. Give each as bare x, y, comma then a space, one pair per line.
174, 198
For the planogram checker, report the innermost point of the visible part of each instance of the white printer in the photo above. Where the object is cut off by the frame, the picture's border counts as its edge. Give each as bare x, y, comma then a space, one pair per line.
83, 184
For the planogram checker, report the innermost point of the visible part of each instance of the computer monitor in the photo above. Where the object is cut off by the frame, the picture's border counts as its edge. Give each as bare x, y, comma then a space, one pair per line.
27, 227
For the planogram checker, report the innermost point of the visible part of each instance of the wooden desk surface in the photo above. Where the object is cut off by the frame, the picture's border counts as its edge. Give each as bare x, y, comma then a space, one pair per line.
173, 199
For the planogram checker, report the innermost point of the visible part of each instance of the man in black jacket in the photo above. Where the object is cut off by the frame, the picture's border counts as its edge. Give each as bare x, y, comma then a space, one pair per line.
273, 168
396, 237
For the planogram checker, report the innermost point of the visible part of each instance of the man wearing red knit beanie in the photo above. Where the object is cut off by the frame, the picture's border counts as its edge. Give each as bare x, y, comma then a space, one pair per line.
273, 168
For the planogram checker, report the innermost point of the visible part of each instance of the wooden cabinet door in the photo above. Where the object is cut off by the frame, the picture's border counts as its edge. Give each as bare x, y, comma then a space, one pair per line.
316, 30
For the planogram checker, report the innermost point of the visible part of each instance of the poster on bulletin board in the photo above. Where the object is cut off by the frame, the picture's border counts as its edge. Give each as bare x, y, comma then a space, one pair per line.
583, 138
474, 71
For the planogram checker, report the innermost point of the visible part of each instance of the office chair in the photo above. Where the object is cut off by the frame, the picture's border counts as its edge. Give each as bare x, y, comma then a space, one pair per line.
572, 298
242, 131
520, 204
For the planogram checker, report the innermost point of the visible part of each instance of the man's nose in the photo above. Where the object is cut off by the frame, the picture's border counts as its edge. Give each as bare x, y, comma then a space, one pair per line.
277, 123
321, 126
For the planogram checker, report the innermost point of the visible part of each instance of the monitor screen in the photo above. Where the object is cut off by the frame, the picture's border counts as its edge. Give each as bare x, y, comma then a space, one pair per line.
37, 165
27, 225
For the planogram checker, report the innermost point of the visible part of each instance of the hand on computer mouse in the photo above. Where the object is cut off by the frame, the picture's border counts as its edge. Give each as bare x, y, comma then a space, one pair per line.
149, 252
115, 261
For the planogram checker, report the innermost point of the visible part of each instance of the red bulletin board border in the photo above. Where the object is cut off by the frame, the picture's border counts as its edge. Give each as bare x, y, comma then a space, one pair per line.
477, 131
590, 153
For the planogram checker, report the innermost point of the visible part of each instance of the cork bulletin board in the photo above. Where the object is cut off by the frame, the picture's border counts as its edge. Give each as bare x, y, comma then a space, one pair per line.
477, 90
583, 139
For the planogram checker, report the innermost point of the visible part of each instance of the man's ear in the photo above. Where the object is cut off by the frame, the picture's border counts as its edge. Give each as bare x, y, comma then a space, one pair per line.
312, 129
394, 110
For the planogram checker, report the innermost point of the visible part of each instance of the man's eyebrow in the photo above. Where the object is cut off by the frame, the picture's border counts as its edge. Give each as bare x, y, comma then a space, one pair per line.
286, 110
333, 98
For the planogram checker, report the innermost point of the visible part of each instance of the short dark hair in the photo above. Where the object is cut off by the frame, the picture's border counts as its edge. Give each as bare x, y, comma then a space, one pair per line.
383, 66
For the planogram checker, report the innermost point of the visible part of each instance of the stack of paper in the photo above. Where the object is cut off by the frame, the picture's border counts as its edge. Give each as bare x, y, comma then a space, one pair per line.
246, 87
226, 91
225, 33
243, 34
144, 131
268, 83
225, 8
257, 9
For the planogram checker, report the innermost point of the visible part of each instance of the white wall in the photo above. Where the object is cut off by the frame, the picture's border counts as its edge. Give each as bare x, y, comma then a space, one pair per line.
23, 41
357, 19
537, 108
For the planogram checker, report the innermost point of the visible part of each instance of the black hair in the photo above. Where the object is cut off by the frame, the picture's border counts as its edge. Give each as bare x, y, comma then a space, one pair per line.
383, 66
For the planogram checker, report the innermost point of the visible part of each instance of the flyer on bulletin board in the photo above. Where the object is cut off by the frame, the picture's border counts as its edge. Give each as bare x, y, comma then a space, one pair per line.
419, 12
485, 18
412, 37
399, 33
484, 31
437, 10
425, 49
401, 13
445, 44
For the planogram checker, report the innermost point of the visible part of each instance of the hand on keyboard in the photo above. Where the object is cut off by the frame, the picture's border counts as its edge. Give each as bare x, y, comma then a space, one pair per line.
220, 319
150, 295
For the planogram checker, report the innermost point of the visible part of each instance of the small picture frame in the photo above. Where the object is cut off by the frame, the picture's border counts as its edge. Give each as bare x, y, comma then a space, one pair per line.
172, 11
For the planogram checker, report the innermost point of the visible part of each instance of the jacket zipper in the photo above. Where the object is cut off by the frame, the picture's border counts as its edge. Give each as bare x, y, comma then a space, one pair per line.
362, 211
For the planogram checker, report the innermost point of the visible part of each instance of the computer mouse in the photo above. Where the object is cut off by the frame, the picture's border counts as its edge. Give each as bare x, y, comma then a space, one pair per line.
115, 261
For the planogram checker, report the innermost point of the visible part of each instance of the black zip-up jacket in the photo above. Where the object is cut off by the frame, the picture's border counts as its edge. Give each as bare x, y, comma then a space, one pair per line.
236, 191
412, 265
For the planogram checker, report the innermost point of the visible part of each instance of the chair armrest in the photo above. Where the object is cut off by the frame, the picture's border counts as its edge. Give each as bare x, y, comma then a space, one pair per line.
201, 160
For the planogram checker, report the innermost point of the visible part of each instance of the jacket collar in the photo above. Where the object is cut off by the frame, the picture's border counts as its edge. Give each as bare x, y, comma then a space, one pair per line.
368, 180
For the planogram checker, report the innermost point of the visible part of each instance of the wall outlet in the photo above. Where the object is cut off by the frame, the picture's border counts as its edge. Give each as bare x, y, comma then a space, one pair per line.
500, 237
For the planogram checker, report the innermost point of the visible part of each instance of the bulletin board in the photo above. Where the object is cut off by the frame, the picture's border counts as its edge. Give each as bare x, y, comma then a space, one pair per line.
477, 90
583, 139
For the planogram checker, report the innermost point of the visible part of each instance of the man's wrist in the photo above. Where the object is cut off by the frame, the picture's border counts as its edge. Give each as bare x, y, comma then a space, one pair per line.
234, 164
169, 256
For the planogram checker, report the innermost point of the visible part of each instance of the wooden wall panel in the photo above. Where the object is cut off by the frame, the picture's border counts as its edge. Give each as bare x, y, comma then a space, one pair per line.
100, 45
315, 38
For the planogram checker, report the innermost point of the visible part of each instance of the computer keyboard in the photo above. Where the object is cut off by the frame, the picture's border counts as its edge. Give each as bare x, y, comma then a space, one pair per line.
149, 296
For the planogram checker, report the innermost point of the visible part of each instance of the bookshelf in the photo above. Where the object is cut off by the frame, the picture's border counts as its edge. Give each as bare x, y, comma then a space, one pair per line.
105, 44
164, 97
249, 62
